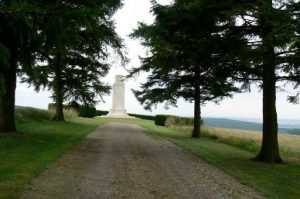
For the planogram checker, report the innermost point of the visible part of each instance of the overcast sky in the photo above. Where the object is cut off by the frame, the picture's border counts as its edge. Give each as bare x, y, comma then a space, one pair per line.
248, 105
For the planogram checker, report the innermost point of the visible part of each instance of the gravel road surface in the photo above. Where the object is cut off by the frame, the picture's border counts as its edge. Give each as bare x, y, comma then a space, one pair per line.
120, 161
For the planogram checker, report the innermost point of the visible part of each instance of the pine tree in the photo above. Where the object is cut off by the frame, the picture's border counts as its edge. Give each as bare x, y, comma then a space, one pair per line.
74, 49
33, 31
17, 44
191, 55
270, 27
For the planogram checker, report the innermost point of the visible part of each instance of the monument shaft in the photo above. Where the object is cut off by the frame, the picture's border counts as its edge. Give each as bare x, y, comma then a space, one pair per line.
118, 102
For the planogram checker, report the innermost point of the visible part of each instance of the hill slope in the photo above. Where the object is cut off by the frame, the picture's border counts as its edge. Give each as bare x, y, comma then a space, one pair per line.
237, 124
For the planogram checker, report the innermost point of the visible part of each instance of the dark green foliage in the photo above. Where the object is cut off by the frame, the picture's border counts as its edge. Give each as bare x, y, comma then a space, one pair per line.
160, 120
73, 105
61, 46
101, 113
145, 117
191, 57
272, 56
17, 46
87, 111
74, 51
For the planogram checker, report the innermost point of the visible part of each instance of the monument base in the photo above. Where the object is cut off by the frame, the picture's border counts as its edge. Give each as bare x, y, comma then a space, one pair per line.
118, 114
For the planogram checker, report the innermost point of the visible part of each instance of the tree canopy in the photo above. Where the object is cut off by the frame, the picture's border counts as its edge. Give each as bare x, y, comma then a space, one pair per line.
190, 48
54, 43
273, 47
75, 49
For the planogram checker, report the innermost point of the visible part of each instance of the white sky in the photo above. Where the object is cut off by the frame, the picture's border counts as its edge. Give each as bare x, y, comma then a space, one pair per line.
248, 105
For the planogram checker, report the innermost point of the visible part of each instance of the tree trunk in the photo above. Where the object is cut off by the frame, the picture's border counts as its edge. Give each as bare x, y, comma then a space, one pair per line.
7, 99
197, 110
269, 150
58, 89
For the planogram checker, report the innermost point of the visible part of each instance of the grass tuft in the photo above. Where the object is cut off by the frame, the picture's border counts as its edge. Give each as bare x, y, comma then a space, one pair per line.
26, 114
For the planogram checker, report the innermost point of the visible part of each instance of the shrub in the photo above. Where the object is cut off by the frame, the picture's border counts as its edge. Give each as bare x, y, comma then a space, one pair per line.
73, 105
24, 114
160, 120
145, 117
71, 112
51, 106
180, 121
87, 111
100, 113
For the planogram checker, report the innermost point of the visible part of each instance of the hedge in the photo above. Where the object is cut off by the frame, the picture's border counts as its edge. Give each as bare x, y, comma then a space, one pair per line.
145, 117
87, 111
72, 105
100, 112
171, 120
160, 120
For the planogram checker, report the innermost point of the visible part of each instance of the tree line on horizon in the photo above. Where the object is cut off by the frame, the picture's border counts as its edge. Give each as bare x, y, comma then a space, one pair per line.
199, 50
206, 50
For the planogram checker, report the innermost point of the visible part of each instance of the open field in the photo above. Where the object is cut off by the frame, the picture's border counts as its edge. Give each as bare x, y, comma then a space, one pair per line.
249, 140
274, 181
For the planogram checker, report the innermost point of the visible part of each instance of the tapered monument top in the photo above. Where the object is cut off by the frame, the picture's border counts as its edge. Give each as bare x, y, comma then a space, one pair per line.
118, 99
119, 79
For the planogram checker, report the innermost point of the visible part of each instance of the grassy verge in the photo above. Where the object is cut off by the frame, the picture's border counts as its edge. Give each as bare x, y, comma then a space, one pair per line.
25, 155
249, 140
274, 181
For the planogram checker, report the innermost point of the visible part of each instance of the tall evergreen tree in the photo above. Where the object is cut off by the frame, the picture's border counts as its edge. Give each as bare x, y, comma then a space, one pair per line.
191, 55
270, 27
16, 55
74, 48
25, 38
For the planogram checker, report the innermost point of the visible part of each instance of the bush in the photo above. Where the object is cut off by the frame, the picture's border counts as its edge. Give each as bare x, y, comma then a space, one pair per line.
71, 112
181, 121
24, 114
160, 120
51, 106
145, 117
171, 120
87, 111
73, 105
100, 113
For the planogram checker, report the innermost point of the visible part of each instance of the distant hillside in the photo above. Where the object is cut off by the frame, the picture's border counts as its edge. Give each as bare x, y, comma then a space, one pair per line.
237, 124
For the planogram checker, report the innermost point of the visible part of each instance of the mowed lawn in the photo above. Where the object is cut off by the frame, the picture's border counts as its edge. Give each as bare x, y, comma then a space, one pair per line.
274, 181
25, 155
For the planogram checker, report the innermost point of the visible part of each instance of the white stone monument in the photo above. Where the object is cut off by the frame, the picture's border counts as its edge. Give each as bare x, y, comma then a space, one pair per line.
118, 100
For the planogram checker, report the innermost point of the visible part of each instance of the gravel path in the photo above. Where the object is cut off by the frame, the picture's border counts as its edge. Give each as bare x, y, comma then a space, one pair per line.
120, 161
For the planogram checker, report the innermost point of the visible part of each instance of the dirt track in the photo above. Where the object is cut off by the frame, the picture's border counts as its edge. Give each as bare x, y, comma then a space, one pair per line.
120, 161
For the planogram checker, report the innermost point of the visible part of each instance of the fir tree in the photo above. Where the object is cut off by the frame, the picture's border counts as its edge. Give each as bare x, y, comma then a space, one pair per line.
273, 42
191, 55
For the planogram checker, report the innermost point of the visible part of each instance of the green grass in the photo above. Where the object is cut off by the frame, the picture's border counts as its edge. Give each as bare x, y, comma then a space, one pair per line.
249, 140
27, 114
274, 181
25, 155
